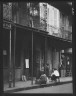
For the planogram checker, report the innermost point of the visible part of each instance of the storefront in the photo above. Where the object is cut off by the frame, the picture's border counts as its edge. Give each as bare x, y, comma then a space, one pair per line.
23, 52
27, 51
66, 62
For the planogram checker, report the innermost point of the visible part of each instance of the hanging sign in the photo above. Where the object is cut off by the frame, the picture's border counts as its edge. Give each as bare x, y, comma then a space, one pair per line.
6, 25
27, 63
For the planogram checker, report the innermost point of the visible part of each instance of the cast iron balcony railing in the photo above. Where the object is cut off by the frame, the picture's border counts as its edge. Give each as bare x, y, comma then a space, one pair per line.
59, 32
66, 34
7, 11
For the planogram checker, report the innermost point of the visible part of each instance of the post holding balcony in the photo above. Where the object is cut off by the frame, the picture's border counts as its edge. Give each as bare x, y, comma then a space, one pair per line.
14, 56
10, 73
32, 59
45, 57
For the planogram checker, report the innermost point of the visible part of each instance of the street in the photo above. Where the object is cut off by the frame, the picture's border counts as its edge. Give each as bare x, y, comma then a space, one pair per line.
65, 88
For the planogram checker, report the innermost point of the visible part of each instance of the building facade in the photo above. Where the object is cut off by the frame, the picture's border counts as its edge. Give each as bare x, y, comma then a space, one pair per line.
35, 34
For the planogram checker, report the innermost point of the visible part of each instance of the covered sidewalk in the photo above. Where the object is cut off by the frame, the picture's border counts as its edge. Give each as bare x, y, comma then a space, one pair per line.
26, 85
56, 42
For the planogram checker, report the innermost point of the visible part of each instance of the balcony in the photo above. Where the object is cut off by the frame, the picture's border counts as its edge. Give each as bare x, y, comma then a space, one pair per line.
59, 32
66, 34
7, 11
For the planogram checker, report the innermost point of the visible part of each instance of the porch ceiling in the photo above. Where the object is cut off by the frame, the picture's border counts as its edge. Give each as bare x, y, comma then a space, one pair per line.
60, 43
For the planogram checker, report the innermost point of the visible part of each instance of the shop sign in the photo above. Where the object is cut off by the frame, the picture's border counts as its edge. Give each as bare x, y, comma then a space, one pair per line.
68, 50
27, 63
42, 69
6, 25
62, 51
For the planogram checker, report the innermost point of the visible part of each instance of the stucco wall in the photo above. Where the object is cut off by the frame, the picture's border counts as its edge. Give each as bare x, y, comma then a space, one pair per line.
18, 74
5, 74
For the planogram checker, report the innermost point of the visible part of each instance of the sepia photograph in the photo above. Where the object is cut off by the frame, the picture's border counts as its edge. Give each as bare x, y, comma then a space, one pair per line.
37, 47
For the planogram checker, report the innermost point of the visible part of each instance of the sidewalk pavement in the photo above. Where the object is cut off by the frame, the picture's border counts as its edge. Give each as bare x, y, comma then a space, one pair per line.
26, 85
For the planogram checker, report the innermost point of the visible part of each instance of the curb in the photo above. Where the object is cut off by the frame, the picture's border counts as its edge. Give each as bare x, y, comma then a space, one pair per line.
35, 87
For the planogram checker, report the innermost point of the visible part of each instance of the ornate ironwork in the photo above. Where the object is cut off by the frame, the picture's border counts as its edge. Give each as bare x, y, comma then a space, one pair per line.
6, 25
7, 11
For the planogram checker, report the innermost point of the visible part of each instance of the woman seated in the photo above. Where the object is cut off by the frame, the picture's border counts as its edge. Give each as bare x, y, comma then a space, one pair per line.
43, 78
55, 75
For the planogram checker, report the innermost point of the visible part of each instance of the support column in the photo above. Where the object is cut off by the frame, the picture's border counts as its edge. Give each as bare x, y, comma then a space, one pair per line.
60, 63
14, 56
45, 57
52, 58
59, 58
32, 59
10, 66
